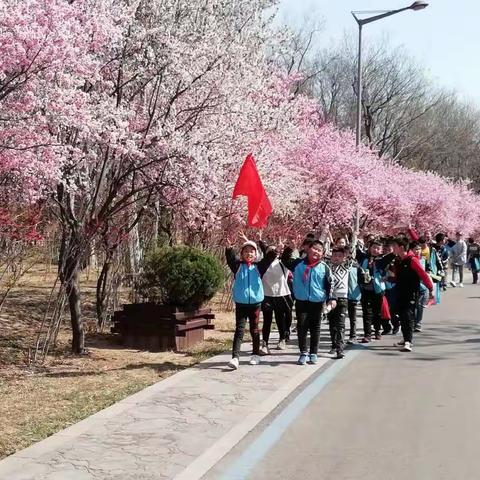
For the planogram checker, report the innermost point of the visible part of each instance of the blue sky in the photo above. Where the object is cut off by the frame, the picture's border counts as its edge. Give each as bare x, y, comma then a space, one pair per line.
445, 37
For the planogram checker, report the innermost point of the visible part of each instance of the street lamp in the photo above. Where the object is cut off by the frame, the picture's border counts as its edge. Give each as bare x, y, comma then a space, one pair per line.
361, 22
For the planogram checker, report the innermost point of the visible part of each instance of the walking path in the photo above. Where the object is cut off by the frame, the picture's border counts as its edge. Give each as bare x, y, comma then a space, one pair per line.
377, 405
387, 415
177, 428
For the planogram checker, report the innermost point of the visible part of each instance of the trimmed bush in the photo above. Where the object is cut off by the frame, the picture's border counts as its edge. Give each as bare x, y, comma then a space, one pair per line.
181, 276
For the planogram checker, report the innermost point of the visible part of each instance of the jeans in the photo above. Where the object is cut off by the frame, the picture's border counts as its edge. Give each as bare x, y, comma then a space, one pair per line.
406, 312
281, 307
422, 301
309, 315
458, 268
336, 320
352, 316
242, 314
372, 312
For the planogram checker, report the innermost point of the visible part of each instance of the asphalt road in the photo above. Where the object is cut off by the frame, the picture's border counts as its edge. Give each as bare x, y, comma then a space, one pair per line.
386, 415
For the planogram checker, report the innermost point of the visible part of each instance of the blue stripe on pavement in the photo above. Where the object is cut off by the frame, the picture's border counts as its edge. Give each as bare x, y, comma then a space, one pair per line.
249, 459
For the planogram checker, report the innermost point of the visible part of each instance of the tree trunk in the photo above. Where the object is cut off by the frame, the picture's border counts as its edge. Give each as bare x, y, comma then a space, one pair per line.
102, 291
69, 265
73, 296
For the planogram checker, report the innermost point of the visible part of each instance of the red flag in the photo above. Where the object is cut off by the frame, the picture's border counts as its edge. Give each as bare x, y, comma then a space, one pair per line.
250, 185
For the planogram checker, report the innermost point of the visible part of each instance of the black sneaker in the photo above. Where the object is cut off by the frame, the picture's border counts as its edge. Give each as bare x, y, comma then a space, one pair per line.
417, 329
395, 330
378, 336
340, 355
387, 330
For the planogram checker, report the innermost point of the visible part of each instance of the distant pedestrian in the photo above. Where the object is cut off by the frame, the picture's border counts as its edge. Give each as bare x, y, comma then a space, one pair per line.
473, 255
459, 259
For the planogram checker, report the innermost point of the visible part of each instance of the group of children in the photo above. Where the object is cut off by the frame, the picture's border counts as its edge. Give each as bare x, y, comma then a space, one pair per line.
393, 279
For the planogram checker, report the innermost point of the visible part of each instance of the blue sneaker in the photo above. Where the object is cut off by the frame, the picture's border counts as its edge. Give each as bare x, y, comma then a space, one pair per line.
313, 358
302, 359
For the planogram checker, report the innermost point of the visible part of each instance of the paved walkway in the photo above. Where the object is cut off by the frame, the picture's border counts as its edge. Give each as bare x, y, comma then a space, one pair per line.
387, 415
376, 414
177, 428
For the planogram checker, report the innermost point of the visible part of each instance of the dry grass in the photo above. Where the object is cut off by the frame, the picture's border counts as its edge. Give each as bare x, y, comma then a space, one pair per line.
35, 403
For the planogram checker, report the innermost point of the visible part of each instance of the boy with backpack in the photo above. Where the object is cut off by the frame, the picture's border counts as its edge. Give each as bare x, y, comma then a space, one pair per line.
371, 272
248, 296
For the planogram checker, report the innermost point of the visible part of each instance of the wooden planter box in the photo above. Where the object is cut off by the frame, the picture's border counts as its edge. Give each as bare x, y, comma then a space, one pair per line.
159, 328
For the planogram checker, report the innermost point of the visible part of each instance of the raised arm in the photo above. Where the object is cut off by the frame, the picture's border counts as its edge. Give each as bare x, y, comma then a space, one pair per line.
232, 260
266, 261
288, 259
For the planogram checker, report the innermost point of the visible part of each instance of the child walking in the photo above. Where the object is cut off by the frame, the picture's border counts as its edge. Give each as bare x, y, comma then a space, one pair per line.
248, 296
340, 266
312, 287
408, 275
277, 300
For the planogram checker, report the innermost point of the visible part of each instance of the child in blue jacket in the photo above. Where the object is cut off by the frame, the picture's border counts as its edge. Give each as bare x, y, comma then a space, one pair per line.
248, 296
312, 287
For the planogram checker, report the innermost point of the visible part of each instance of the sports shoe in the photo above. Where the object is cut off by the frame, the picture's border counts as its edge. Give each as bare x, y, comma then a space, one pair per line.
233, 363
378, 336
281, 345
332, 351
399, 344
452, 283
302, 359
407, 347
460, 285
264, 350
313, 358
366, 340
352, 340
417, 329
395, 330
255, 360
340, 355
387, 330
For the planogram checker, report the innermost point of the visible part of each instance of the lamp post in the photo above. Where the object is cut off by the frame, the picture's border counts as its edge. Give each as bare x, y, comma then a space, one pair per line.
361, 22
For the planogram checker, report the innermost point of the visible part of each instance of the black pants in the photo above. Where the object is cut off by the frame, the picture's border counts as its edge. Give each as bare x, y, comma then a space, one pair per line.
473, 266
281, 306
242, 314
372, 311
309, 315
336, 321
352, 315
406, 311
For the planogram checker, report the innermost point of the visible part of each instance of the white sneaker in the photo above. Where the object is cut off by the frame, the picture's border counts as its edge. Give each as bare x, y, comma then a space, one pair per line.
407, 347
460, 285
255, 360
452, 283
233, 363
264, 350
281, 345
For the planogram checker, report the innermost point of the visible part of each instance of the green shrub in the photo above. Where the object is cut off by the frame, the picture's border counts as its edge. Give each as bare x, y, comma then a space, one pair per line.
182, 276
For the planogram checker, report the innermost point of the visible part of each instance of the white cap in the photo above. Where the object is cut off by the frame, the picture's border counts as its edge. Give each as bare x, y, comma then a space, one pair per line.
249, 243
